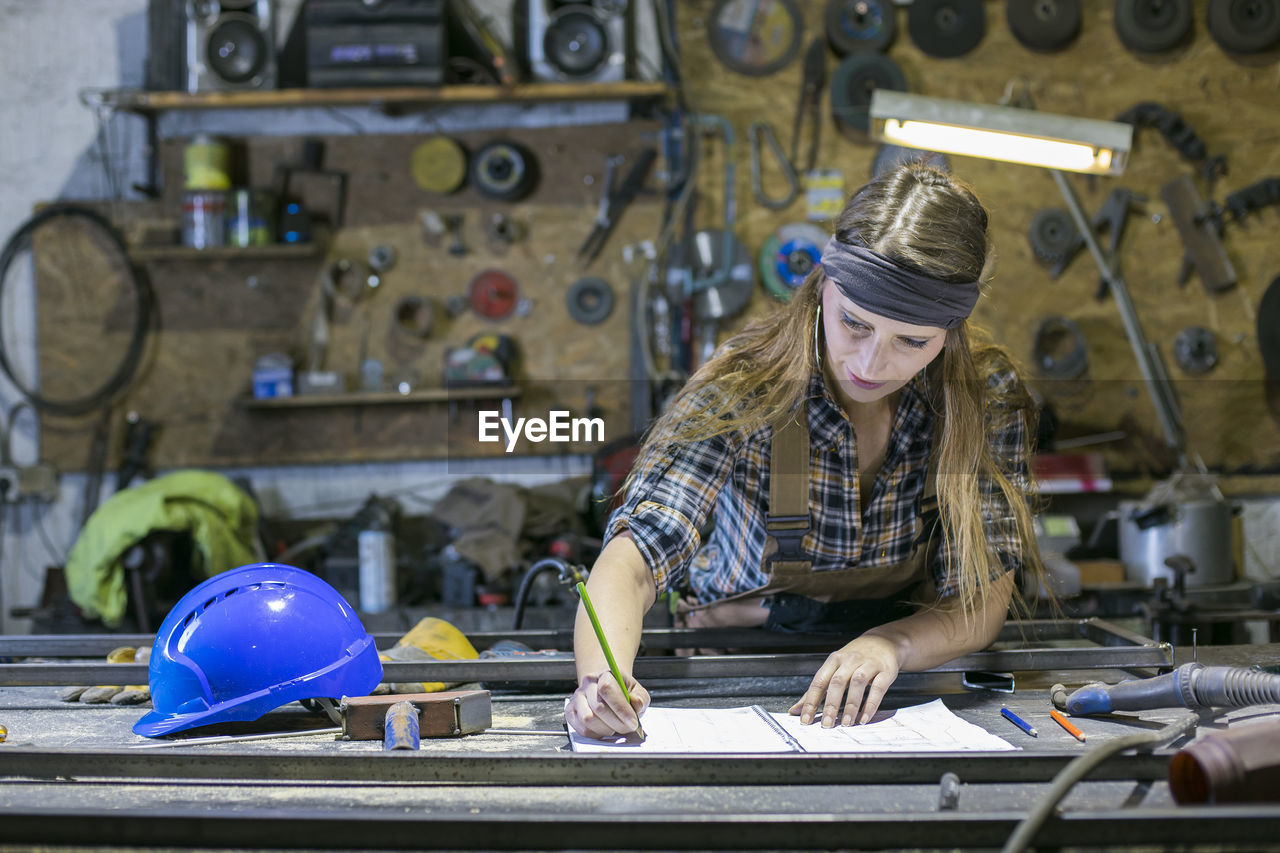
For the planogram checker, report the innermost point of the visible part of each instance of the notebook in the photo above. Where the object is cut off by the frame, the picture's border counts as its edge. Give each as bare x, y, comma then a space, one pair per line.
930, 727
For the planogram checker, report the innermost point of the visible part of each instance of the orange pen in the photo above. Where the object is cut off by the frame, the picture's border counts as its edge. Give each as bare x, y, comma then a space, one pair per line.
1066, 724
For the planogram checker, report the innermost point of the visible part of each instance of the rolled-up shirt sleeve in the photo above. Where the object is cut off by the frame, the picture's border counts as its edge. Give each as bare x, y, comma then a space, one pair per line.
671, 496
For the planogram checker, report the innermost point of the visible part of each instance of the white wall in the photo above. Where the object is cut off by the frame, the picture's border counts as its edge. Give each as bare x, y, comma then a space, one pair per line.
50, 50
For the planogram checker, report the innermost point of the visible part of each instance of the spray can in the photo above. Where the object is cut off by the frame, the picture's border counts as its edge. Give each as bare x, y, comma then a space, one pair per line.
377, 550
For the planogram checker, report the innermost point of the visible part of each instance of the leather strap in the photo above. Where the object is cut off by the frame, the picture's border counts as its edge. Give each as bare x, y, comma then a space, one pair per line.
788, 519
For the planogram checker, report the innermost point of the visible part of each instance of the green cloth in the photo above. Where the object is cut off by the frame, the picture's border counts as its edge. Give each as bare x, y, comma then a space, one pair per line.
221, 518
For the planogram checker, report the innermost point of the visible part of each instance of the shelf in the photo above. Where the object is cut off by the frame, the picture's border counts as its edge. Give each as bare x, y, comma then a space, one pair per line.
276, 251
140, 101
384, 398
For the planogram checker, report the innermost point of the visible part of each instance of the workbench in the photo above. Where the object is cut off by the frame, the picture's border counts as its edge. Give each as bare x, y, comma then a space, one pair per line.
71, 774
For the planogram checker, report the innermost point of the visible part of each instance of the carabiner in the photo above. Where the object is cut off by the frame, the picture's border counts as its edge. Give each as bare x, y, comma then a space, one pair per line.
763, 129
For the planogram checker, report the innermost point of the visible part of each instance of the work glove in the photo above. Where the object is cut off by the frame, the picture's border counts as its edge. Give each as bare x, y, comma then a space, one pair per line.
132, 694
430, 639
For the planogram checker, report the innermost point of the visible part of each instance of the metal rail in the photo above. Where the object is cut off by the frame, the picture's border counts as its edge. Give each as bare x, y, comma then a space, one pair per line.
371, 829
1115, 649
567, 769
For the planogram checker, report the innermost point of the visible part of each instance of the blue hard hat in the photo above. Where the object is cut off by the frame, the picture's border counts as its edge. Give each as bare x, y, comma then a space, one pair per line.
251, 639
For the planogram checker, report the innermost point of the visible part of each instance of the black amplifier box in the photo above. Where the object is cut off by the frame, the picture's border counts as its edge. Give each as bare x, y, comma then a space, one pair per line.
375, 42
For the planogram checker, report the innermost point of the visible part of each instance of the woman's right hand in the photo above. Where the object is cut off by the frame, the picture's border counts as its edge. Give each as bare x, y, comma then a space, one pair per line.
598, 709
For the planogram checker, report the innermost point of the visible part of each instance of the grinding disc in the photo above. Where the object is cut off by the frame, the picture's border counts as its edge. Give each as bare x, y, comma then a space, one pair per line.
787, 257
1044, 25
1269, 329
946, 28
854, 25
504, 170
493, 294
1052, 234
1195, 349
439, 165
1152, 26
852, 83
590, 301
413, 315
755, 37
1245, 26
889, 157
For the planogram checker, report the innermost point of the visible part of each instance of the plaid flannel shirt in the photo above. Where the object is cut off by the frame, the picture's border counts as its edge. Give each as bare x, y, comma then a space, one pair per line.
678, 488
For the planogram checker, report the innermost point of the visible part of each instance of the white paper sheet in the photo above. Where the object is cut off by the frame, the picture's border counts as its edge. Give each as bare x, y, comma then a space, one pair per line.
930, 727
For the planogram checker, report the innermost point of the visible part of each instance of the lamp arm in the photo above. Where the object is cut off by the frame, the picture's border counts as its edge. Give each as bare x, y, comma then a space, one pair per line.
1148, 357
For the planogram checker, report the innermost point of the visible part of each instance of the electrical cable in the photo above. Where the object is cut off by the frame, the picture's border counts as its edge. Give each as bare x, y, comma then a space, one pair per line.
124, 372
38, 518
1081, 766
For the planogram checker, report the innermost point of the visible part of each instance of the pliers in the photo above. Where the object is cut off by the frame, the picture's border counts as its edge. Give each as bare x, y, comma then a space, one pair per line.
613, 200
811, 86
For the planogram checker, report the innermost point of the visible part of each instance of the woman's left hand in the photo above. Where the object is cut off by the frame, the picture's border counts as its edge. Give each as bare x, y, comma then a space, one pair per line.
863, 669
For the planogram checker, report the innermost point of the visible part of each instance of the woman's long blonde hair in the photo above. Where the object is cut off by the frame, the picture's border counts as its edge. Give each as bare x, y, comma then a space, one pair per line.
927, 221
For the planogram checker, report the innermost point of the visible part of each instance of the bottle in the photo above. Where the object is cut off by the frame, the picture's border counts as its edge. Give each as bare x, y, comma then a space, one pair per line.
377, 551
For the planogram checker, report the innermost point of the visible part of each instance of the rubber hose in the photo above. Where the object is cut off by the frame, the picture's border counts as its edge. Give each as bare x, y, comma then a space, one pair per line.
526, 585
1025, 832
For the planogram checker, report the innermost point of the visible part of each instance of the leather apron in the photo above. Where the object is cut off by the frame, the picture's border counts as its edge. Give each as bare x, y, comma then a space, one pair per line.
785, 564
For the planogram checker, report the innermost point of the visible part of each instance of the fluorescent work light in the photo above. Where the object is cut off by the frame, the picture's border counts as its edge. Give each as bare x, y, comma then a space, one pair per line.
1001, 133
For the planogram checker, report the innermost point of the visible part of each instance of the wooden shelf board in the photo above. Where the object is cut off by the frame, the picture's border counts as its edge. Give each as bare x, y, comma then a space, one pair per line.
382, 398
278, 251
136, 100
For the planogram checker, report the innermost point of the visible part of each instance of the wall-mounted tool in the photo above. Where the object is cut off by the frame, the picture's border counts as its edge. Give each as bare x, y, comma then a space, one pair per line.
439, 165
1180, 135
453, 227
1205, 253
1269, 330
500, 231
762, 132
755, 37
504, 170
413, 316
1053, 238
852, 83
485, 360
382, 258
808, 105
1244, 26
590, 301
858, 25
946, 28
1256, 196
1195, 349
495, 295
788, 256
614, 200
1044, 25
1153, 26
1059, 349
719, 256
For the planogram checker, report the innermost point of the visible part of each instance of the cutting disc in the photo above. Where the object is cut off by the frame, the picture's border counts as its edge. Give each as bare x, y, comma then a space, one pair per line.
889, 157
590, 301
854, 25
1195, 349
1245, 26
1269, 329
852, 83
1152, 26
493, 294
946, 28
755, 37
1044, 25
787, 257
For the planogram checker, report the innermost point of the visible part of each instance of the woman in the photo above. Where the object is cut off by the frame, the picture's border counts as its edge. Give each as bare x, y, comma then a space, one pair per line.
863, 461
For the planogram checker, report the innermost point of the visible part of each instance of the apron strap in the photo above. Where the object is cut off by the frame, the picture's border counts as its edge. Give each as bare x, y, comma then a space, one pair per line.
788, 519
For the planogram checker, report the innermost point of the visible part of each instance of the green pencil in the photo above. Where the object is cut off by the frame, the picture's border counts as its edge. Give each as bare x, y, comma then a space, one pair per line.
608, 653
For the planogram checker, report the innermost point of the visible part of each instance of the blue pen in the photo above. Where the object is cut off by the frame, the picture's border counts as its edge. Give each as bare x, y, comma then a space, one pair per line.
1018, 721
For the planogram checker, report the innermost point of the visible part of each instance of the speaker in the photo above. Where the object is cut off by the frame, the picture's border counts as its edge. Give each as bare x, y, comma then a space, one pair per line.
574, 40
230, 44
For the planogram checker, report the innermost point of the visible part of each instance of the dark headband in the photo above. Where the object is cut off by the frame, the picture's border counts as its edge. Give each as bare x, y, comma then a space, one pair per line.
873, 282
